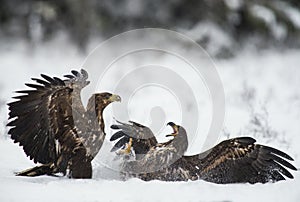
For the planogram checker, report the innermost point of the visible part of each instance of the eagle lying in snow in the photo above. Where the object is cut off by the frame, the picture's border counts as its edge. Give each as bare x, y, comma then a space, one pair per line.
55, 129
237, 160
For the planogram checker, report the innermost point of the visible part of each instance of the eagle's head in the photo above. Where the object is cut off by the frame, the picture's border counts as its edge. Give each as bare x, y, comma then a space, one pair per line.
106, 98
180, 141
99, 101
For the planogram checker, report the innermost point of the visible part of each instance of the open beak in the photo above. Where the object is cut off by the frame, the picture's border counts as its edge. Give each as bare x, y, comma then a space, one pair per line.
115, 98
175, 129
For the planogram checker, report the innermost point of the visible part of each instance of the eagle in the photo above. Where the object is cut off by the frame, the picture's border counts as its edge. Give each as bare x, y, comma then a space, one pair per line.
236, 160
54, 128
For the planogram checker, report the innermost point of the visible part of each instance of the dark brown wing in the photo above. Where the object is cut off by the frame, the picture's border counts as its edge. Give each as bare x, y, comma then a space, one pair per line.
142, 137
41, 118
240, 160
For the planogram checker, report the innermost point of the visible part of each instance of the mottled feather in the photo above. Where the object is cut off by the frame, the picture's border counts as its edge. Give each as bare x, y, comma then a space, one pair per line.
237, 160
54, 128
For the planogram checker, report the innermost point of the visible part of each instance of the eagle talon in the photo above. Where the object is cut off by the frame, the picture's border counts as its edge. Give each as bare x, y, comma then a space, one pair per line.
127, 149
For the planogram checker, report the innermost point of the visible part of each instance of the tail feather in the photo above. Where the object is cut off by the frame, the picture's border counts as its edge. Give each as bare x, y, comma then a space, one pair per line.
46, 169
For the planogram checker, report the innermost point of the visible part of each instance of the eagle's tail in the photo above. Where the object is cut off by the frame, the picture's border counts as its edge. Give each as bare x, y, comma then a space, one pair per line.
46, 169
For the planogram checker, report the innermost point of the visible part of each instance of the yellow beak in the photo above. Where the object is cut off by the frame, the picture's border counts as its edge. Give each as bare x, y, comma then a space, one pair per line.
115, 98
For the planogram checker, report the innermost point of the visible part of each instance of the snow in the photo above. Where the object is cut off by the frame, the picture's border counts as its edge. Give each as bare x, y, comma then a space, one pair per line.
292, 13
234, 4
254, 82
215, 37
62, 189
268, 16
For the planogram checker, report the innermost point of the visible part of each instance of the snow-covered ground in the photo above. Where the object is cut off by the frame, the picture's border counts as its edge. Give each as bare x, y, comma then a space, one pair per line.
262, 100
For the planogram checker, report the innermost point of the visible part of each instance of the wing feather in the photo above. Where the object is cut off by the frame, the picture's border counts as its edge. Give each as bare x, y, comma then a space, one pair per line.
120, 144
276, 151
143, 138
40, 81
282, 162
241, 160
116, 136
43, 114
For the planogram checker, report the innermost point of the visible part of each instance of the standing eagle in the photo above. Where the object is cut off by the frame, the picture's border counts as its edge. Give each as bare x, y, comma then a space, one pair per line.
54, 127
237, 160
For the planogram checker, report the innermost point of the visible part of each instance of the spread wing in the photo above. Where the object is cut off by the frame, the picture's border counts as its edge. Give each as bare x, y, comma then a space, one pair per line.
240, 160
41, 118
142, 137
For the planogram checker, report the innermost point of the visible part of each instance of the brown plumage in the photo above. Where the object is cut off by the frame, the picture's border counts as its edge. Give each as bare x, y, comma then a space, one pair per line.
54, 128
152, 160
237, 160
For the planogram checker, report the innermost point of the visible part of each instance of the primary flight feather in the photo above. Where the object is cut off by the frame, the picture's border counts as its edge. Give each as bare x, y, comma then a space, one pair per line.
54, 128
